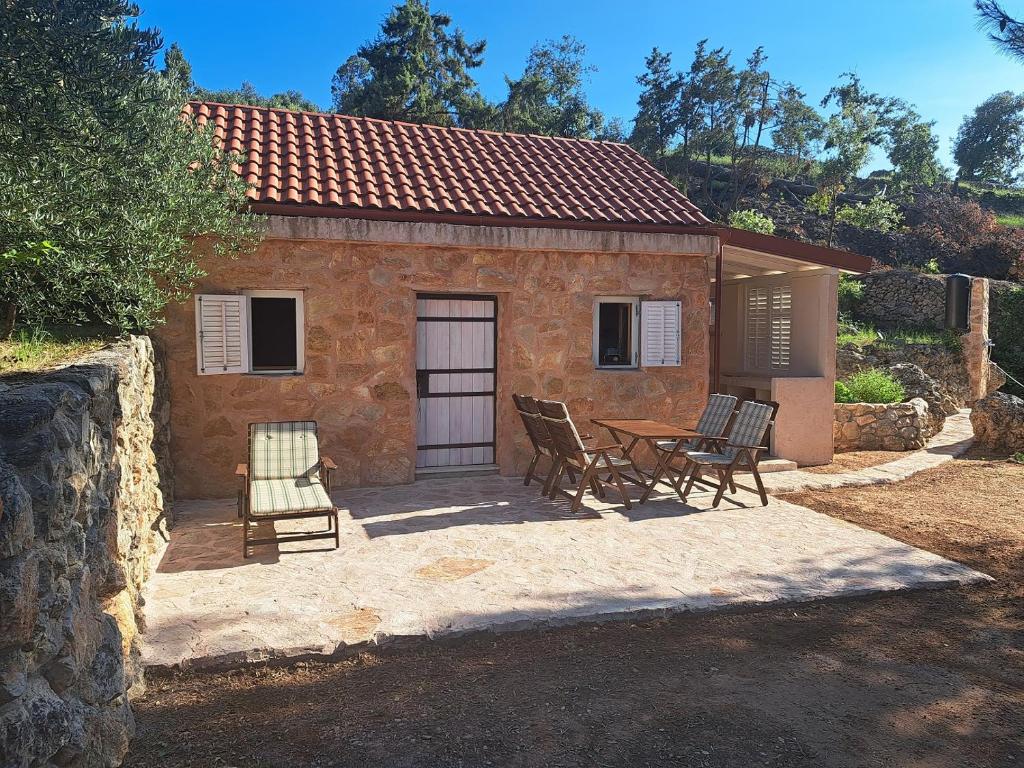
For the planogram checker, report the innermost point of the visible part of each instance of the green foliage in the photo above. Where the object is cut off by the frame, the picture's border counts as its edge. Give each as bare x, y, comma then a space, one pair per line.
843, 394
863, 334
657, 120
820, 202
247, 94
753, 221
878, 214
96, 162
416, 69
1013, 220
990, 142
797, 128
1018, 457
912, 149
874, 386
1007, 328
851, 293
549, 98
931, 267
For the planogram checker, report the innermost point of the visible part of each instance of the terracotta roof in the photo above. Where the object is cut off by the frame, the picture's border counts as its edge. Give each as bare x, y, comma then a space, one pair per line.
338, 163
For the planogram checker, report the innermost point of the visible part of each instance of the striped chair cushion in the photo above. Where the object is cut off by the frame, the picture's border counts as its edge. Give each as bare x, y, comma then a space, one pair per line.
748, 430
285, 449
275, 497
716, 415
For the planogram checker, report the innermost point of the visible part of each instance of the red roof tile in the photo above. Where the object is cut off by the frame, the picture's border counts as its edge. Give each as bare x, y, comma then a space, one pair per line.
337, 161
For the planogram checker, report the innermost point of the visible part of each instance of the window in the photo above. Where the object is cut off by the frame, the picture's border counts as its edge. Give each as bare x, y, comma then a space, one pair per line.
768, 326
254, 332
629, 333
615, 331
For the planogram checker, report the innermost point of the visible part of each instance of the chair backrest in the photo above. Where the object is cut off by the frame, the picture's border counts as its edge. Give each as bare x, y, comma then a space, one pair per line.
751, 424
283, 449
528, 411
564, 435
716, 415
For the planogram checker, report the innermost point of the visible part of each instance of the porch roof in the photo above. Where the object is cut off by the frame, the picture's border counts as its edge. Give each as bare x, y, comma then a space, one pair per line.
751, 254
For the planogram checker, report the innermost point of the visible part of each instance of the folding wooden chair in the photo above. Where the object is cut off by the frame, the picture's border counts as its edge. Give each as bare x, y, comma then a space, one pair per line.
573, 454
741, 450
286, 478
713, 423
536, 430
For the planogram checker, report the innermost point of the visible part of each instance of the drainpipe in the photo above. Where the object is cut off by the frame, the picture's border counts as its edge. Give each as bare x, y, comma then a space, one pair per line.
717, 338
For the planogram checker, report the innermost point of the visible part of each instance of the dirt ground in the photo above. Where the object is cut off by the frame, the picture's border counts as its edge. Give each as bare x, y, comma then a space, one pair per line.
930, 678
853, 460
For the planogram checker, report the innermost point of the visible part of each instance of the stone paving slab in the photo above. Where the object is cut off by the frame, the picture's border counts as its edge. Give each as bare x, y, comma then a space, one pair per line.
955, 438
449, 556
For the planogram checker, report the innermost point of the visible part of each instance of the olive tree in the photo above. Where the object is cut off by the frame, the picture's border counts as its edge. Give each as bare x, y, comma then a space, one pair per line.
104, 186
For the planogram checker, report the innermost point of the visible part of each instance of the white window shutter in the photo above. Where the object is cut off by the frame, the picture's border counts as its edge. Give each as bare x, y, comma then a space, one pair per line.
781, 325
661, 333
756, 330
221, 334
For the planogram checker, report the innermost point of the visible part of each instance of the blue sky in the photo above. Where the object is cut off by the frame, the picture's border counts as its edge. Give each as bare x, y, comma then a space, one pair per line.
928, 52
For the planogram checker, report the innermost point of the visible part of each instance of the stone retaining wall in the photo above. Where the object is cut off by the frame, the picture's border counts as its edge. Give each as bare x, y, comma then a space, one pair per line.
81, 516
871, 427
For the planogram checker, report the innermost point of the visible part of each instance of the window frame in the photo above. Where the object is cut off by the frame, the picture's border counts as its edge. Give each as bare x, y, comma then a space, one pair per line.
634, 332
300, 330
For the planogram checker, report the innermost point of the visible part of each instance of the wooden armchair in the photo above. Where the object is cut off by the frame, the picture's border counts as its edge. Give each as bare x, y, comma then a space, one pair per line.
286, 478
573, 454
741, 449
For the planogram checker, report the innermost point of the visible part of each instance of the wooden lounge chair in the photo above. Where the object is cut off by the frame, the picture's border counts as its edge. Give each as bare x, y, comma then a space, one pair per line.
741, 450
574, 455
286, 478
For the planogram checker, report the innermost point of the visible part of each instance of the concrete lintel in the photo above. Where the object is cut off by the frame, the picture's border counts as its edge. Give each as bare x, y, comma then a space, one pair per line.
519, 238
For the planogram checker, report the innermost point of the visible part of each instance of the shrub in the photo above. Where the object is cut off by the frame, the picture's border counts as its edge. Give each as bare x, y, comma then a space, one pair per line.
752, 221
843, 394
1007, 330
851, 292
874, 386
878, 214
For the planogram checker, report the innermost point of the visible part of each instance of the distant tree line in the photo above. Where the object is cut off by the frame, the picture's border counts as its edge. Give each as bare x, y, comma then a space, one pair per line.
714, 111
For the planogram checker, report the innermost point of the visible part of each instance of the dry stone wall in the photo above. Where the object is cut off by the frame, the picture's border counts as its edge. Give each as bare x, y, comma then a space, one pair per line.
870, 427
81, 517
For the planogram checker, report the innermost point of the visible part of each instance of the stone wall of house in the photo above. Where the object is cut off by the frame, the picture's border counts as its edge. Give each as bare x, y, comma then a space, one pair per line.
360, 329
81, 513
870, 427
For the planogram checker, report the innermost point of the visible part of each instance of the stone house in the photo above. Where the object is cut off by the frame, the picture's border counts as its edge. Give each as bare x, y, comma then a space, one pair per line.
413, 277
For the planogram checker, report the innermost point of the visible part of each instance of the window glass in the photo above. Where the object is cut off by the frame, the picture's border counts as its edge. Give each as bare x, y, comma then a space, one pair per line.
272, 323
614, 333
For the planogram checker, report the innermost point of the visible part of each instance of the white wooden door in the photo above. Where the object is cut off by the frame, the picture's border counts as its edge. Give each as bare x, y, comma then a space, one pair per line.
456, 370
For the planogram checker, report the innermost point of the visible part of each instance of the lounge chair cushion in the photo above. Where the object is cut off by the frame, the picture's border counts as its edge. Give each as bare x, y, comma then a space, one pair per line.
668, 445
284, 450
283, 495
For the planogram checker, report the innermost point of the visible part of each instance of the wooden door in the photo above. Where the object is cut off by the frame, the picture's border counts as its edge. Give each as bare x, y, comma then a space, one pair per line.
456, 336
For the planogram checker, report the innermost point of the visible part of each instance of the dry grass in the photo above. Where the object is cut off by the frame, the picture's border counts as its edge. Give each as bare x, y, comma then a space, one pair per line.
37, 349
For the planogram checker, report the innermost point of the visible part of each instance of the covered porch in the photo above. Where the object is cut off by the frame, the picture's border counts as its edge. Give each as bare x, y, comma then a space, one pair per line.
445, 557
773, 335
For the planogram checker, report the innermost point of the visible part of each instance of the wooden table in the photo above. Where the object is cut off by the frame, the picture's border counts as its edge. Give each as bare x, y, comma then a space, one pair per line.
648, 432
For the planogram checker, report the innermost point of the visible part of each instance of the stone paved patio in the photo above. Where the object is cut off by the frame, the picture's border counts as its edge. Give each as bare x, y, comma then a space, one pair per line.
449, 556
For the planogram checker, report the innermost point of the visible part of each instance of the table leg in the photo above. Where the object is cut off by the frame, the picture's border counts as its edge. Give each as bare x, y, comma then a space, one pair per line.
663, 469
627, 451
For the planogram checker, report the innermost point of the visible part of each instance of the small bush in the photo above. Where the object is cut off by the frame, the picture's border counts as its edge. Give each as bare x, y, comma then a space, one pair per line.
851, 292
752, 221
878, 214
843, 394
874, 386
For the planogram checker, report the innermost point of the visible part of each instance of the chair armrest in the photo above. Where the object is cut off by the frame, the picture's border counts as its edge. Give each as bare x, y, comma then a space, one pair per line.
328, 462
242, 470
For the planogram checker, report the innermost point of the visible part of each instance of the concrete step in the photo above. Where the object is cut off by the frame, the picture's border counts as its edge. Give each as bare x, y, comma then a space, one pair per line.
473, 470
